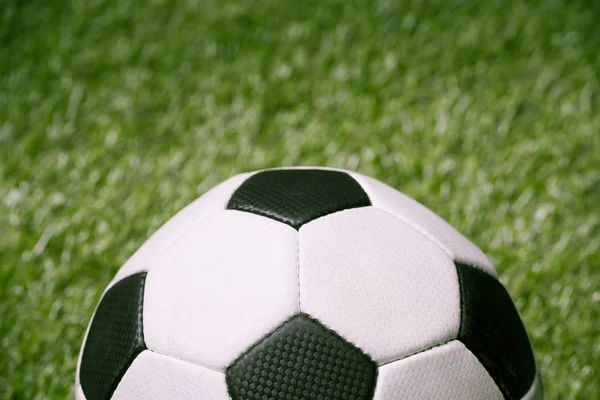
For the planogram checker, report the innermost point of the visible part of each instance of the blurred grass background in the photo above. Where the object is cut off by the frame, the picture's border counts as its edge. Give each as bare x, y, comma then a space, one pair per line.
114, 114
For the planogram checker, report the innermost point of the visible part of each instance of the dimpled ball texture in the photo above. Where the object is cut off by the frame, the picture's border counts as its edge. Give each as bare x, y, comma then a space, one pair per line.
304, 284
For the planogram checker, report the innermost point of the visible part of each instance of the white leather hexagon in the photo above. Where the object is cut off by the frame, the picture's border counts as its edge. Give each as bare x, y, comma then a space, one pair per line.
153, 376
224, 284
425, 221
378, 282
448, 372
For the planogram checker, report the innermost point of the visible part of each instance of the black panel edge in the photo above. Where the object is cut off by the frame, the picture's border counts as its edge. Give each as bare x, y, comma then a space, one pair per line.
142, 275
364, 202
330, 331
139, 349
505, 386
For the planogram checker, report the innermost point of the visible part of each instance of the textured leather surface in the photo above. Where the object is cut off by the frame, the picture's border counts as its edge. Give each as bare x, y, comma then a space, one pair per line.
212, 201
446, 372
154, 376
424, 220
492, 329
115, 338
297, 196
227, 282
302, 360
380, 276
378, 282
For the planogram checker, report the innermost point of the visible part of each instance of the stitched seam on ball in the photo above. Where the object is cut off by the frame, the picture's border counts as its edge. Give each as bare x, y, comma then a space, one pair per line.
195, 364
414, 226
176, 240
151, 263
502, 385
419, 230
281, 327
337, 334
295, 224
463, 314
140, 309
258, 342
178, 237
227, 379
189, 227
433, 240
331, 331
264, 213
375, 378
347, 209
418, 352
298, 269
363, 183
462, 302
140, 313
187, 361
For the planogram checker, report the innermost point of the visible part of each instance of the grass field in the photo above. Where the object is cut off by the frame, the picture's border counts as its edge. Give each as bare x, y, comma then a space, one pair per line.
115, 114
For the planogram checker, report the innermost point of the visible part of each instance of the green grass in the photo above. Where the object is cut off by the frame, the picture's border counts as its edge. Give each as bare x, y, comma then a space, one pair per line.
115, 114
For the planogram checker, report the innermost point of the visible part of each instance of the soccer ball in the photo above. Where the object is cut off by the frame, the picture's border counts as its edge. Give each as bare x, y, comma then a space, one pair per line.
304, 284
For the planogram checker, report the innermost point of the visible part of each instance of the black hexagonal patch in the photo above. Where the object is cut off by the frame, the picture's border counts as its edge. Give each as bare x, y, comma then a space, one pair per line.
298, 196
492, 329
115, 338
302, 360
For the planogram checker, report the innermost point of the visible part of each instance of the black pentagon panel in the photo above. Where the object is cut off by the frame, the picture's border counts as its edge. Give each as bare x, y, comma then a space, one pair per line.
115, 338
302, 360
298, 196
492, 329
